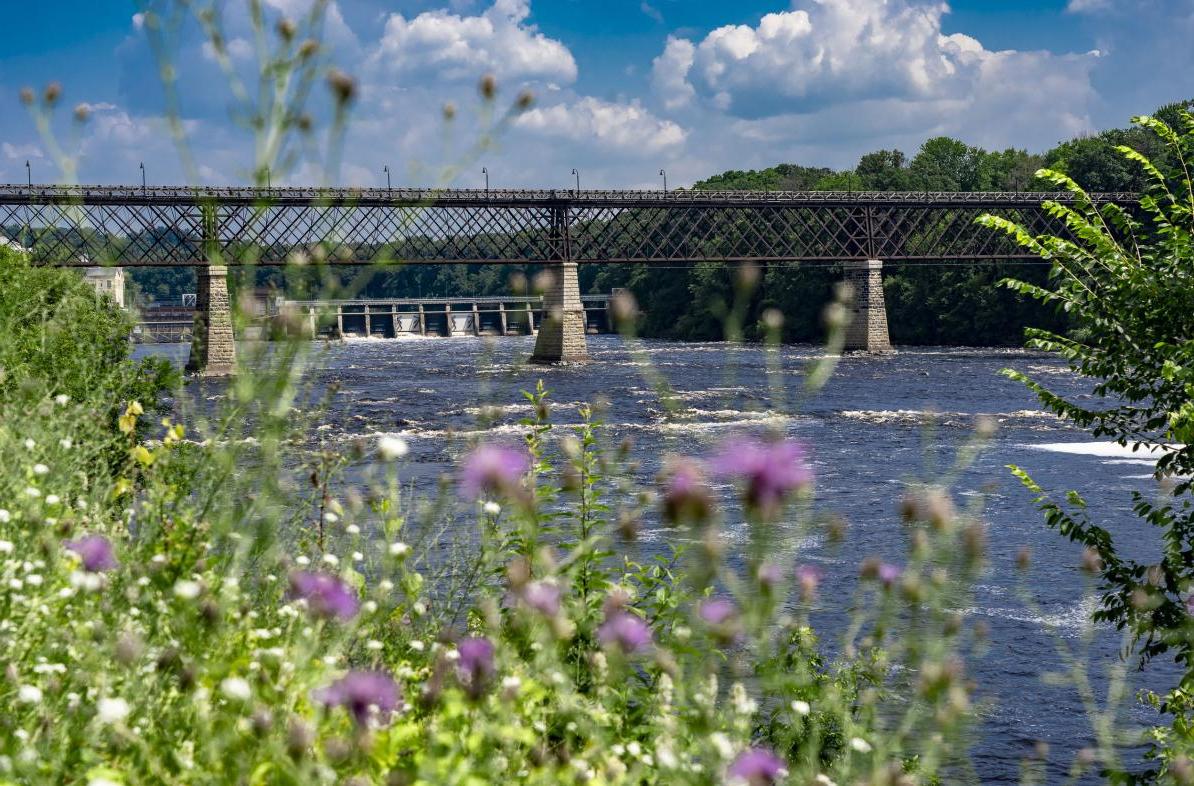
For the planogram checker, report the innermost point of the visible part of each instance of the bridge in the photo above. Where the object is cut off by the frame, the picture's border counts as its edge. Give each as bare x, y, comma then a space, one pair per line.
214, 228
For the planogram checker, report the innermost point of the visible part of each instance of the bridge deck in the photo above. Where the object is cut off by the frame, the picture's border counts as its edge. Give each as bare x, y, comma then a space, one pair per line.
172, 226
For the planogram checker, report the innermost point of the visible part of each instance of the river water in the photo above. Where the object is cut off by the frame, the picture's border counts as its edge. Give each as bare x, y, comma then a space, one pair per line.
866, 433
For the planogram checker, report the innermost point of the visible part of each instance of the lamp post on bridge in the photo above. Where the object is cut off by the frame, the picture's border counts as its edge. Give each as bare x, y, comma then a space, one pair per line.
577, 175
485, 171
663, 174
143, 176
28, 173
386, 169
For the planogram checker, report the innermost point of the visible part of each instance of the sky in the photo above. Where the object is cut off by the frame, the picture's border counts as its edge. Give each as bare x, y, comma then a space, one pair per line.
621, 88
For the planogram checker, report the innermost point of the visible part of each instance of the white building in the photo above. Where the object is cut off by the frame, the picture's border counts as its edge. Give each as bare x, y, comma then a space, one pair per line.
107, 281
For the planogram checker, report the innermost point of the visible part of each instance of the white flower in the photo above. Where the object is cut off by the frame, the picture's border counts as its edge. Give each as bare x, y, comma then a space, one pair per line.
111, 710
187, 590
492, 508
860, 745
66, 443
353, 529
331, 559
801, 707
236, 689
302, 560
392, 448
29, 694
40, 469
330, 517
52, 499
5, 516
33, 580
373, 645
32, 492
357, 556
721, 744
30, 444
5, 545
62, 398
417, 645
824, 779
399, 549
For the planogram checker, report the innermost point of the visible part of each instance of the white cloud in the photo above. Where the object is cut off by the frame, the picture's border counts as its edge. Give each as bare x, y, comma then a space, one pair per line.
627, 128
669, 73
1087, 6
20, 152
237, 49
835, 52
454, 47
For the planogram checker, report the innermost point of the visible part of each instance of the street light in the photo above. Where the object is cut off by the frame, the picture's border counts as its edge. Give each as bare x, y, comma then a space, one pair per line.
386, 169
663, 174
142, 175
485, 171
577, 174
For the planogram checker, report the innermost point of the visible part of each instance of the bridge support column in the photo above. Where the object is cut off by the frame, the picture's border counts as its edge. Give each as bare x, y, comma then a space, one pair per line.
561, 336
867, 331
213, 348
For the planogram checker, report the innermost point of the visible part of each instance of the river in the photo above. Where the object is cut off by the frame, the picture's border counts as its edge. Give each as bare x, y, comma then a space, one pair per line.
866, 434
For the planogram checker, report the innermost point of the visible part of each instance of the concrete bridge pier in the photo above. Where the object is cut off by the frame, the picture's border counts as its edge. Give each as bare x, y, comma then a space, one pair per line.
213, 348
867, 331
561, 336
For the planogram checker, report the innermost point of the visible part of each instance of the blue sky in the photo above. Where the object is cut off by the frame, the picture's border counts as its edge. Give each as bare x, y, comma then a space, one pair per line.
623, 87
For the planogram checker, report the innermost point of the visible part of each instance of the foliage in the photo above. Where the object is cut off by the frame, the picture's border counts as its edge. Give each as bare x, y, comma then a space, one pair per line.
1124, 276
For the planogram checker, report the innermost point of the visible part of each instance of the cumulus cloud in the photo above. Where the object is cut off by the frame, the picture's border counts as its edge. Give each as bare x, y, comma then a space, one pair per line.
623, 127
835, 52
455, 47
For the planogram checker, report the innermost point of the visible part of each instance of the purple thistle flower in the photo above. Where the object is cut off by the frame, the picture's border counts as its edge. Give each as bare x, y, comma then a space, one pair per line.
626, 631
362, 693
717, 611
685, 494
543, 596
770, 471
889, 574
493, 469
757, 767
95, 552
326, 595
809, 577
769, 575
475, 667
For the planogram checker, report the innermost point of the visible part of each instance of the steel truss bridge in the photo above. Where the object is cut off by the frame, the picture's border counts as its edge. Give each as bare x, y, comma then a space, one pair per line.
146, 227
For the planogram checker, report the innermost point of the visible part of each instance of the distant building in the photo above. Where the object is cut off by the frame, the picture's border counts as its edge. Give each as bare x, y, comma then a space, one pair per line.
12, 245
107, 281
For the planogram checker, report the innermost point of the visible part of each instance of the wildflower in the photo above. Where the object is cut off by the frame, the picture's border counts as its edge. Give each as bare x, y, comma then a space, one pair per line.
353, 529
873, 568
362, 693
326, 595
888, 574
860, 745
626, 631
493, 469
392, 448
491, 508
399, 549
66, 442
32, 492
29, 694
475, 666
187, 590
40, 469
52, 499
801, 707
62, 399
110, 710
94, 551
29, 444
770, 470
717, 611
236, 688
6, 547
757, 767
809, 577
686, 495
5, 516
543, 596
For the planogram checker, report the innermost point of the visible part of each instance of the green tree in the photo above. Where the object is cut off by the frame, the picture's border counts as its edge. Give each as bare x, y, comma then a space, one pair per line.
1124, 276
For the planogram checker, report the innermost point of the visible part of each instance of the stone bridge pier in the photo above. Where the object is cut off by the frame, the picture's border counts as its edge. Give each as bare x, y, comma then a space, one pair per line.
561, 336
213, 349
867, 331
